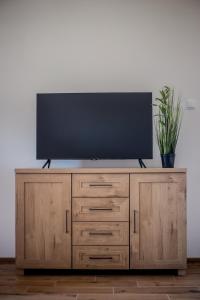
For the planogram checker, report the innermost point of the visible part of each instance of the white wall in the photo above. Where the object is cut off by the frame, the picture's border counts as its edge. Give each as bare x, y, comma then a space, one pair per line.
91, 45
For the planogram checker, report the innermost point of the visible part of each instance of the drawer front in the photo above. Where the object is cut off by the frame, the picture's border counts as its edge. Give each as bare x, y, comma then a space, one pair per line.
100, 209
100, 185
101, 257
100, 233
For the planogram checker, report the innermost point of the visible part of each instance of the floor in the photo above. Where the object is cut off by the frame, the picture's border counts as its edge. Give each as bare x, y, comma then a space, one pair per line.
135, 286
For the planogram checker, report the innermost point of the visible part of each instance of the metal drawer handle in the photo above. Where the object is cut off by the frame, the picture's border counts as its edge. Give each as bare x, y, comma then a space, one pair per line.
135, 221
100, 208
100, 185
66, 215
100, 257
100, 233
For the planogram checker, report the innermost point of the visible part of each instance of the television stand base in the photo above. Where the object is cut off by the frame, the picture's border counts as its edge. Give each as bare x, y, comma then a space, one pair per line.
142, 164
47, 163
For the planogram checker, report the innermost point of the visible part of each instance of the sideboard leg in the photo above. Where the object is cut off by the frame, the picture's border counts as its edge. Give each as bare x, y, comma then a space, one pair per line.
181, 272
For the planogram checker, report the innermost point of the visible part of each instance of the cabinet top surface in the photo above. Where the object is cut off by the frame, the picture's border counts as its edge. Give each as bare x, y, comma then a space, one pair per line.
98, 170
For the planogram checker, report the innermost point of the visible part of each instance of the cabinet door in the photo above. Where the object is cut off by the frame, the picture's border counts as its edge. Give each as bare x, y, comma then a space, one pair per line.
43, 221
158, 221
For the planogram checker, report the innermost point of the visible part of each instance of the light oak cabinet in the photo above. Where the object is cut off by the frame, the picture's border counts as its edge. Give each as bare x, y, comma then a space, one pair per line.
157, 221
100, 227
101, 257
101, 233
43, 221
100, 185
100, 209
119, 218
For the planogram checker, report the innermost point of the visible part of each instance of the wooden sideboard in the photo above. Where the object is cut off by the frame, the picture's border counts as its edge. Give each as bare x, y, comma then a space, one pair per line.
101, 218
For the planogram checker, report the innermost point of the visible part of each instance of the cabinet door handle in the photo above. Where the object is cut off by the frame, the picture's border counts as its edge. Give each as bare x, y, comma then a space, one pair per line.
100, 257
100, 233
100, 208
66, 224
135, 221
100, 185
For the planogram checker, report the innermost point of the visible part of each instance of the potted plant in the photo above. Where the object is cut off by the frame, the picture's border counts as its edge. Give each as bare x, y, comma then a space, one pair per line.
168, 119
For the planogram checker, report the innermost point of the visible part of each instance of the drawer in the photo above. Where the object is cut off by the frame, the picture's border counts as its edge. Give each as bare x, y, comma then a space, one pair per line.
100, 209
100, 233
100, 185
101, 257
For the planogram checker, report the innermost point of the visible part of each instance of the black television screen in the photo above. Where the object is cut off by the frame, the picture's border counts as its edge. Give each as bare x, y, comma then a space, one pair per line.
94, 126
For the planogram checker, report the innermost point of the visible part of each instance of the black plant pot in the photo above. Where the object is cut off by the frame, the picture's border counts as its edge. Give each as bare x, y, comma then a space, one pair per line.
168, 160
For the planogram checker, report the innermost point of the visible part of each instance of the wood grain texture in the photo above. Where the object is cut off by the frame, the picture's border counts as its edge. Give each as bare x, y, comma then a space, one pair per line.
123, 297
158, 221
100, 209
126, 285
100, 233
158, 290
99, 170
101, 216
100, 257
43, 221
100, 185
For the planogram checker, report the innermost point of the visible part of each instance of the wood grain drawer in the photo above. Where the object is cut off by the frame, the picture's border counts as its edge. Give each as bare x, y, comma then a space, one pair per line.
100, 233
100, 209
101, 257
100, 185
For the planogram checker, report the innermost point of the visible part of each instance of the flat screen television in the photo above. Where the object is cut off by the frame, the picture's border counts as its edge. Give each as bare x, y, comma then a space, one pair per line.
94, 126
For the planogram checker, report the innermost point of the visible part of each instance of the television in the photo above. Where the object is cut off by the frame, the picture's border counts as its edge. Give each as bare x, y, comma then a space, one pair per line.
94, 125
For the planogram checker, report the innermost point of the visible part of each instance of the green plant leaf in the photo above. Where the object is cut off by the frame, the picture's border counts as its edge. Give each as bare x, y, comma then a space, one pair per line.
168, 120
